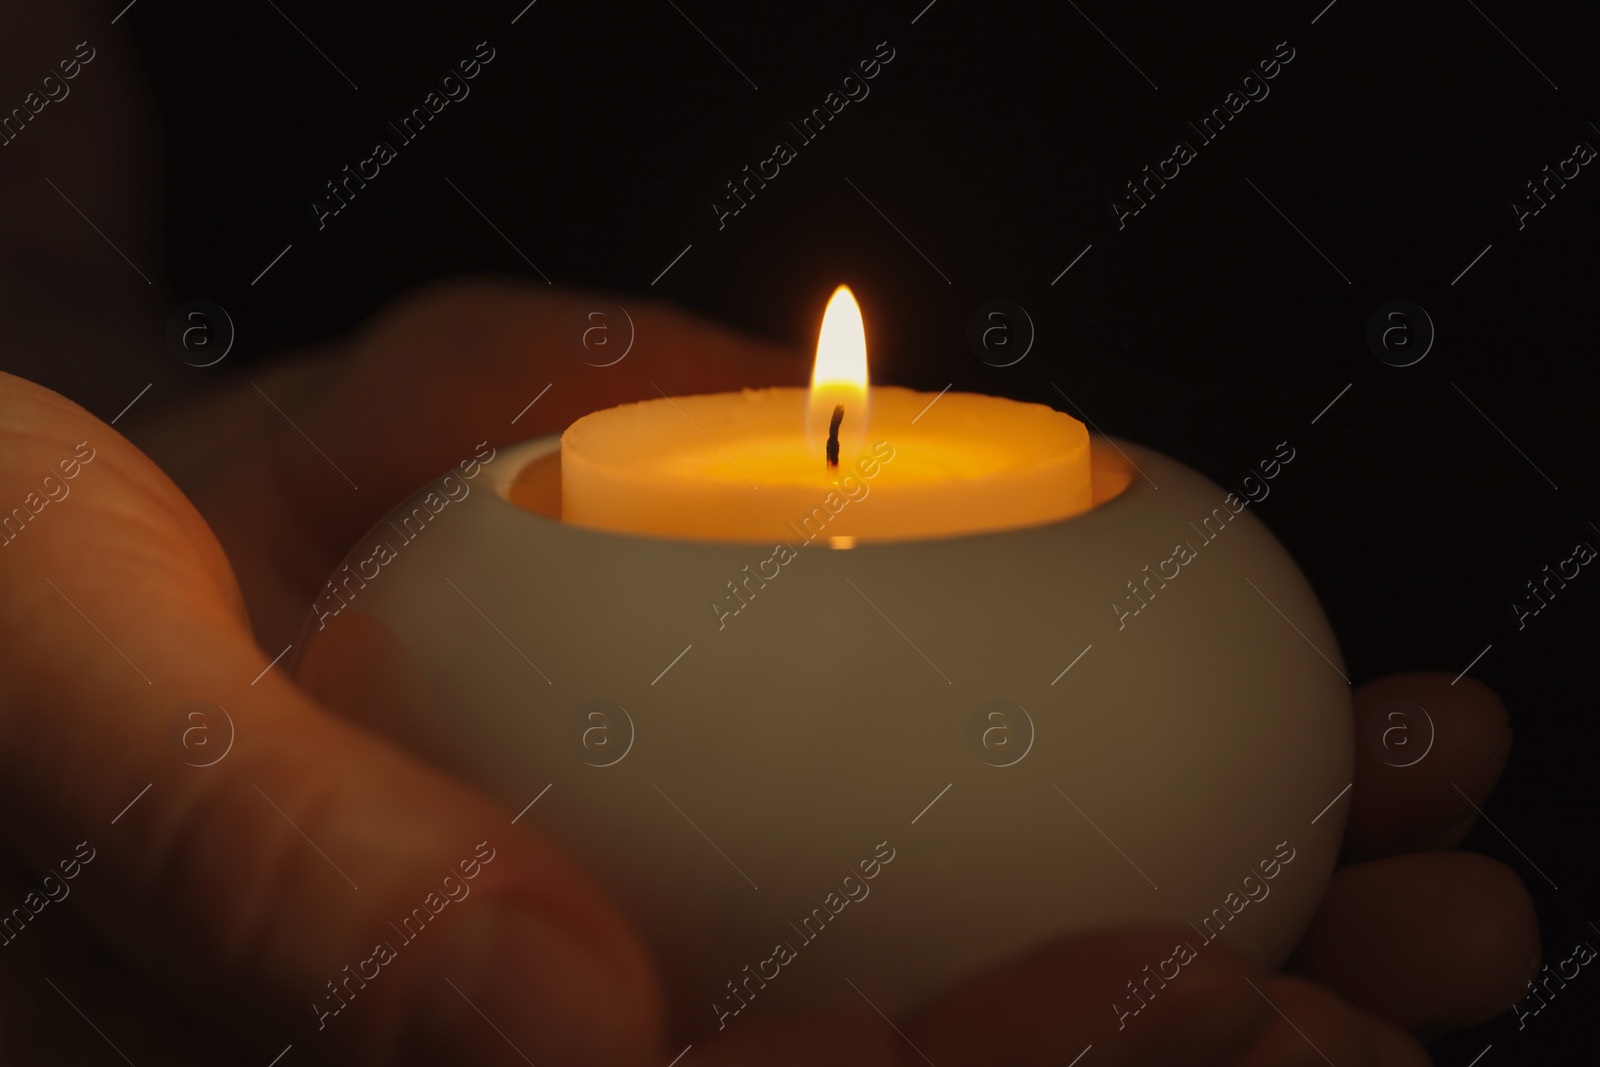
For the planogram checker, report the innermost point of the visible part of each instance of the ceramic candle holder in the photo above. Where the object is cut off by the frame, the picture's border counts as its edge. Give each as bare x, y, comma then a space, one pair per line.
889, 764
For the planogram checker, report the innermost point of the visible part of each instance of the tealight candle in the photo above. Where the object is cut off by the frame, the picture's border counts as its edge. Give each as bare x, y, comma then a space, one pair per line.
755, 466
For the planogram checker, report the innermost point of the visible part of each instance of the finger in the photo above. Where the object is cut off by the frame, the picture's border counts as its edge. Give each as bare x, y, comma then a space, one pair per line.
1311, 1026
1118, 993
1408, 801
322, 446
1426, 940
253, 885
1044, 1008
1091, 990
1094, 992
439, 372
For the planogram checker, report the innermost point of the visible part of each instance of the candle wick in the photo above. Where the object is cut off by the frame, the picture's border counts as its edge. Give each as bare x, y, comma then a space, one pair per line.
833, 436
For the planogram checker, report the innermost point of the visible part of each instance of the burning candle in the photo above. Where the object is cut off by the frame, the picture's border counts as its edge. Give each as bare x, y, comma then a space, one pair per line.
767, 464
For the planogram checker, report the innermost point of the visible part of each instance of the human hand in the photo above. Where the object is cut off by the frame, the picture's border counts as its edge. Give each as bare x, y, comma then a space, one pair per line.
210, 884
234, 885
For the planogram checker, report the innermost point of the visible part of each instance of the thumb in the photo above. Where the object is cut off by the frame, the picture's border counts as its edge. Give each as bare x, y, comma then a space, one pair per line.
313, 885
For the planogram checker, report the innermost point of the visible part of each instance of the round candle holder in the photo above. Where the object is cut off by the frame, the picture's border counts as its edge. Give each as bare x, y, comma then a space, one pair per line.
802, 766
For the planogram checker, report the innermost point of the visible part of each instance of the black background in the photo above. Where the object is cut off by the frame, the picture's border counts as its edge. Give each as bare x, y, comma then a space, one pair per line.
1207, 328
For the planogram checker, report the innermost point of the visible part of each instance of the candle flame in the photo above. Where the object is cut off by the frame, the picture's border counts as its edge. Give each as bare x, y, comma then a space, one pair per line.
841, 345
839, 377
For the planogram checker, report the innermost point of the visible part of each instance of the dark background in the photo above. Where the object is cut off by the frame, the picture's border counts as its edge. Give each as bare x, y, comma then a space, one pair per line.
1207, 328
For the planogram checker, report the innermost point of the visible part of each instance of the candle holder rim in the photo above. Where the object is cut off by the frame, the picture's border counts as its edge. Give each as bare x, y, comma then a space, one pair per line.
1115, 464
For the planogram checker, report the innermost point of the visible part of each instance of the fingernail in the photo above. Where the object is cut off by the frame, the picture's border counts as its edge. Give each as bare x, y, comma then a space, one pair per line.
514, 988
